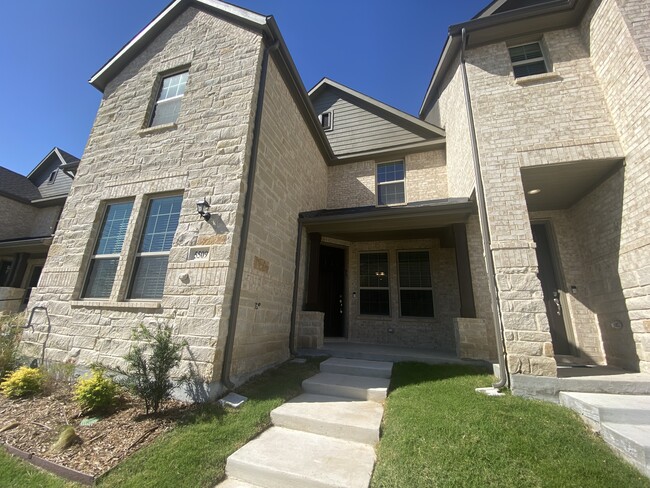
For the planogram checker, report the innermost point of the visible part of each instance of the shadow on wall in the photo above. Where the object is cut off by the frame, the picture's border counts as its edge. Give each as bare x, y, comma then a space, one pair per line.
598, 220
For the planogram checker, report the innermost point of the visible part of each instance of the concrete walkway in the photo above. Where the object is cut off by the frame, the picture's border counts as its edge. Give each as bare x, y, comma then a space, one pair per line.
323, 438
623, 421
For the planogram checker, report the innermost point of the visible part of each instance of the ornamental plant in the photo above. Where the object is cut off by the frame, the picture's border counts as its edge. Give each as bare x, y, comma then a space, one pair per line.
95, 392
149, 365
22, 382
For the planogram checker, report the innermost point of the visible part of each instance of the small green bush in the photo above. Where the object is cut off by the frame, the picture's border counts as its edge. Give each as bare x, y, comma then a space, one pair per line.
148, 374
96, 392
22, 382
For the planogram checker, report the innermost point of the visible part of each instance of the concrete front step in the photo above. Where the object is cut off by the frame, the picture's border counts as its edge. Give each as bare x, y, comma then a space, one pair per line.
347, 386
285, 458
337, 417
631, 441
357, 367
599, 407
233, 483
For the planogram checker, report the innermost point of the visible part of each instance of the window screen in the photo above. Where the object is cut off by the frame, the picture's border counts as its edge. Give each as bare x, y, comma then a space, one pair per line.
153, 253
390, 183
103, 263
416, 295
527, 60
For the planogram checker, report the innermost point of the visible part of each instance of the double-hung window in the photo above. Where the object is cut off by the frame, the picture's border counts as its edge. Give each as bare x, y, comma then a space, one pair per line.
390, 183
415, 291
151, 260
527, 60
374, 284
168, 103
103, 263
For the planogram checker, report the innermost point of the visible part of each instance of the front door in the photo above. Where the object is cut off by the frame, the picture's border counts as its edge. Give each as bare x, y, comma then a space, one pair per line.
550, 286
331, 289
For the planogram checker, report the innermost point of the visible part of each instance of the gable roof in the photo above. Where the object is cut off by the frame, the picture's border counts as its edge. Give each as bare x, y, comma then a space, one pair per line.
62, 156
501, 20
264, 24
17, 187
391, 112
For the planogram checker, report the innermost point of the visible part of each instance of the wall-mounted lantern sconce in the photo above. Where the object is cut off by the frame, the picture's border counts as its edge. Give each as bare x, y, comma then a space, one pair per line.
202, 207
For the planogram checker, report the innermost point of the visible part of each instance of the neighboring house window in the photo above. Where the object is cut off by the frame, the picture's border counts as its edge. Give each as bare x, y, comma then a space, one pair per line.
168, 103
5, 271
527, 59
52, 177
326, 120
373, 284
153, 252
390, 183
103, 263
415, 292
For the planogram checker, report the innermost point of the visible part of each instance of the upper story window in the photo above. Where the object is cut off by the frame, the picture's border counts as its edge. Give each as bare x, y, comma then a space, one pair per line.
103, 263
326, 120
52, 177
390, 183
168, 103
153, 253
528, 59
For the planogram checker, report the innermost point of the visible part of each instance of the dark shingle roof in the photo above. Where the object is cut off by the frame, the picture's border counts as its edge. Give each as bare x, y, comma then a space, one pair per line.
17, 187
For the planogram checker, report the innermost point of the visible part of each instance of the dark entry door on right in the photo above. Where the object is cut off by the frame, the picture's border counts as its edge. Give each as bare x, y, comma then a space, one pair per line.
551, 289
331, 288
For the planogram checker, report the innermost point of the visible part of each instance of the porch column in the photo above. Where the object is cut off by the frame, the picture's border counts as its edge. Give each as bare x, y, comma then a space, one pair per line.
465, 288
313, 269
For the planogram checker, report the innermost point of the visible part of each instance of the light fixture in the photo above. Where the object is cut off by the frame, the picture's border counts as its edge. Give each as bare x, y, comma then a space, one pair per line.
534, 191
202, 207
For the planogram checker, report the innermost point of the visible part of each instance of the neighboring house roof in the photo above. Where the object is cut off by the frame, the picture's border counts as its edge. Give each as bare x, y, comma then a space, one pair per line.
17, 187
60, 154
501, 20
263, 24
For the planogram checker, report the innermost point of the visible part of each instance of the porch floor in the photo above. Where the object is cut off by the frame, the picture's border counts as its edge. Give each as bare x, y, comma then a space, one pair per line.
380, 352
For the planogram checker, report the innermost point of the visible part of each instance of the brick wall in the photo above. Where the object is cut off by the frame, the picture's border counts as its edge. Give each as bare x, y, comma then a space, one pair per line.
203, 156
22, 220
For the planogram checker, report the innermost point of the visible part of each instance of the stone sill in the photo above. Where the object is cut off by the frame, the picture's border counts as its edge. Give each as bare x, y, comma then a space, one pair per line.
157, 128
153, 305
541, 78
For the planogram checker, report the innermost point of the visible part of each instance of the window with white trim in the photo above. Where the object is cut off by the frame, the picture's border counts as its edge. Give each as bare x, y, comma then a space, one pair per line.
168, 103
148, 280
103, 262
415, 290
374, 293
390, 183
326, 120
527, 60
52, 177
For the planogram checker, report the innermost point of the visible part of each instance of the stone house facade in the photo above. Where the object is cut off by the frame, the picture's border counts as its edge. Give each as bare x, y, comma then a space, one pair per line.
333, 215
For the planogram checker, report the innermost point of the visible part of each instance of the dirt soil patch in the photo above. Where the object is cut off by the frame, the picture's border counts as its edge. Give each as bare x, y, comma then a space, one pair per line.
34, 424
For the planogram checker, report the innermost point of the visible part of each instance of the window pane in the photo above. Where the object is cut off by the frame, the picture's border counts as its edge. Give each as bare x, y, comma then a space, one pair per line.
529, 69
100, 278
416, 303
390, 171
374, 302
522, 53
414, 269
391, 194
162, 220
116, 221
166, 112
373, 270
149, 277
167, 107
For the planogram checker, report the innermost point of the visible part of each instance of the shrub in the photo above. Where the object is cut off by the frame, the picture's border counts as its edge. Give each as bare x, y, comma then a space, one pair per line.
95, 392
22, 382
57, 375
148, 374
9, 339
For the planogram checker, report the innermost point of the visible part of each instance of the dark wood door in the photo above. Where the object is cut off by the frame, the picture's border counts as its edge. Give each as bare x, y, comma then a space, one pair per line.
551, 289
331, 289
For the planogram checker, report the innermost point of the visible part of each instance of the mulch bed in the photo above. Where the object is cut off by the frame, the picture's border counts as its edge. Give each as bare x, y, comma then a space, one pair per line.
34, 425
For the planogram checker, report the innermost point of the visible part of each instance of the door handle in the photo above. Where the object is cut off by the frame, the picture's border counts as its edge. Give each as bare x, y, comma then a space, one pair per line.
340, 304
556, 299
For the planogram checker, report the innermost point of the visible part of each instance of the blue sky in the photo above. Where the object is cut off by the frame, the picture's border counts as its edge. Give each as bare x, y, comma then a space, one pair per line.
50, 48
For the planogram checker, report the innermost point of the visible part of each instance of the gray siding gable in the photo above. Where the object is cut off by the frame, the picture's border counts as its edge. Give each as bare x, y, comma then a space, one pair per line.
40, 176
360, 126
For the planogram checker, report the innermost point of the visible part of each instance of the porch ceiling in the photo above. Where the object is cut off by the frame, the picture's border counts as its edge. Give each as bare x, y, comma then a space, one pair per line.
562, 185
413, 221
32, 245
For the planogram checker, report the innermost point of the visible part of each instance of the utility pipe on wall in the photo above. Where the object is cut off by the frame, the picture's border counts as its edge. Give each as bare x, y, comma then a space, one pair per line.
483, 221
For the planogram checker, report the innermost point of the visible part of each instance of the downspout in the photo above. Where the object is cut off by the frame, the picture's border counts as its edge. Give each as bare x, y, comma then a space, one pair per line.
483, 221
294, 302
248, 201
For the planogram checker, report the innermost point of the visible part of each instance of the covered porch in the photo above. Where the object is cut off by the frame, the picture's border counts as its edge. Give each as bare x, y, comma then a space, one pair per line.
402, 276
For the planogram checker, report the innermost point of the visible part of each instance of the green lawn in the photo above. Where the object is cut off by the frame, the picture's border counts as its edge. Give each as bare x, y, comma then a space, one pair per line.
437, 432
18, 474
